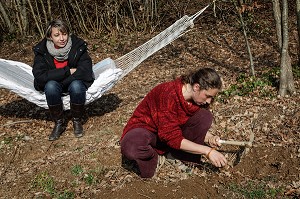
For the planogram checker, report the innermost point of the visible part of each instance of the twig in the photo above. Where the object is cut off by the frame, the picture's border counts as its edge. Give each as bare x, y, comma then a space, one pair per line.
17, 122
49, 146
143, 195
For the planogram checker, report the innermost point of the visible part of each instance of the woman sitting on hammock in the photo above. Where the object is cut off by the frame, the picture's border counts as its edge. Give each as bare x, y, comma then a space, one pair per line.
62, 66
173, 117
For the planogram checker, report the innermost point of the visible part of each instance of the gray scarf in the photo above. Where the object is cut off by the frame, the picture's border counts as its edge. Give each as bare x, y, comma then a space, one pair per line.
60, 54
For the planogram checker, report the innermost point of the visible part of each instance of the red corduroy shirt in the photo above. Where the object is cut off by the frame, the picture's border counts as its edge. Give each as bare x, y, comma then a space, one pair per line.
163, 111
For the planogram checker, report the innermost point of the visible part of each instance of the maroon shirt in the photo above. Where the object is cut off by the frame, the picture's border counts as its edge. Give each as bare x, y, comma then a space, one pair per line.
163, 111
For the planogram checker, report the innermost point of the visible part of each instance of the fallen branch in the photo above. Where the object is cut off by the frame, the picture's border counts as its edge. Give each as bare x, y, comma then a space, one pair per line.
17, 122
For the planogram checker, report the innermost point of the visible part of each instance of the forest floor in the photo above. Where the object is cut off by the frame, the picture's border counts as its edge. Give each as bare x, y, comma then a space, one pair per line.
91, 167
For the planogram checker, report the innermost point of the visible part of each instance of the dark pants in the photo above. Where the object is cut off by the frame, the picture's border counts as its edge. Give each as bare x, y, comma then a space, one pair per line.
54, 92
139, 144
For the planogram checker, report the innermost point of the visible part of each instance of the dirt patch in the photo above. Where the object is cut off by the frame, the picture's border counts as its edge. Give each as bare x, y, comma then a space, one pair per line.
91, 167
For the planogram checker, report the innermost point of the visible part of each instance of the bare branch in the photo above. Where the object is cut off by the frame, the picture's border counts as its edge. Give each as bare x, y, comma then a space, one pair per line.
6, 18
35, 19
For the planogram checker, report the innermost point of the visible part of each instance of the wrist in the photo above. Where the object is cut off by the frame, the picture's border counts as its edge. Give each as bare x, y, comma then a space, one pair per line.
209, 152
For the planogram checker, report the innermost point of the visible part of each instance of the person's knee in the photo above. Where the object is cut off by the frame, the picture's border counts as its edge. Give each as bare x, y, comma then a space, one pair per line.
205, 116
51, 85
206, 113
134, 148
52, 88
77, 87
129, 149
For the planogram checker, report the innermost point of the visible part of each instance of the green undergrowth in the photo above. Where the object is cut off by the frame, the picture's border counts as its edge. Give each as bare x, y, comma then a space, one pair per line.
256, 190
48, 185
265, 84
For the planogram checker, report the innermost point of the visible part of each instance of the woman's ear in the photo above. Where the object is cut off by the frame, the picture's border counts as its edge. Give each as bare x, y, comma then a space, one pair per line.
196, 87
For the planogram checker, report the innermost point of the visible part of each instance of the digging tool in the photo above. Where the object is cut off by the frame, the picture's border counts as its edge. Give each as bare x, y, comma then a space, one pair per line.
244, 148
239, 143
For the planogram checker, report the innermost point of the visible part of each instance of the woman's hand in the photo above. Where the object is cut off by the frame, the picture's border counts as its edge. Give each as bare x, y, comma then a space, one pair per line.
216, 158
72, 70
213, 141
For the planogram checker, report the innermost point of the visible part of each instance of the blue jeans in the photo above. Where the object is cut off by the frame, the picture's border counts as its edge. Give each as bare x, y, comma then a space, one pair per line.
54, 92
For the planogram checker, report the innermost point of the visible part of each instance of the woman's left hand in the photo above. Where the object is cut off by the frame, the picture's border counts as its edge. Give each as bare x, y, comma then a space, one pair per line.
216, 158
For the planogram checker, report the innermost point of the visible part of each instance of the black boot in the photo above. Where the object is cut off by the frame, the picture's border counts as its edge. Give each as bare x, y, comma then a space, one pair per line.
77, 111
56, 112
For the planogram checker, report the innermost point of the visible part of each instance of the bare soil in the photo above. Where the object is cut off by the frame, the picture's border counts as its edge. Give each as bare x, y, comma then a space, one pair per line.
91, 167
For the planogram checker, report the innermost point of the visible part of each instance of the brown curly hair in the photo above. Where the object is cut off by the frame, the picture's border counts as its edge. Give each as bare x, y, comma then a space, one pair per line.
207, 78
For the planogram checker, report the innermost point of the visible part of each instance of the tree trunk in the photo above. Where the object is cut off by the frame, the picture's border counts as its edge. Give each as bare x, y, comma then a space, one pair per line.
24, 15
286, 75
36, 19
298, 28
10, 25
21, 16
277, 17
246, 40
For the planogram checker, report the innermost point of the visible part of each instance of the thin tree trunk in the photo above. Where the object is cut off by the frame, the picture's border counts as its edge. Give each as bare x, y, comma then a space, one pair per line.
35, 19
44, 11
283, 68
16, 4
21, 15
49, 10
81, 17
246, 40
132, 13
286, 76
10, 25
78, 16
298, 28
277, 17
39, 17
65, 13
24, 15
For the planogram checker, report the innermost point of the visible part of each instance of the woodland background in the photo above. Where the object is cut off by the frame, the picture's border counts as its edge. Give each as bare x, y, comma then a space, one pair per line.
253, 45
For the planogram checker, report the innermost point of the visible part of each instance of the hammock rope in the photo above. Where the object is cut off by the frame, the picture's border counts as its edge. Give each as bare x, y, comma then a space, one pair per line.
132, 59
17, 76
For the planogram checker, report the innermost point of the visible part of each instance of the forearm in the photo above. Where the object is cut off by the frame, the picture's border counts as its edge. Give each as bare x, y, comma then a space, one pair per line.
192, 147
214, 156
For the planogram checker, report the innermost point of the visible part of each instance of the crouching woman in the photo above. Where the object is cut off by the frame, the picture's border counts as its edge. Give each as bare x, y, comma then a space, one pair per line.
174, 118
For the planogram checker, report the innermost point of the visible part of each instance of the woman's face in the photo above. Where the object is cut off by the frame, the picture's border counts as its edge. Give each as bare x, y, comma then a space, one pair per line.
59, 39
202, 97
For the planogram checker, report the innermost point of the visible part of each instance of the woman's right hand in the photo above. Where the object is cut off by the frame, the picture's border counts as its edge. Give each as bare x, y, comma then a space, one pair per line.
216, 158
213, 141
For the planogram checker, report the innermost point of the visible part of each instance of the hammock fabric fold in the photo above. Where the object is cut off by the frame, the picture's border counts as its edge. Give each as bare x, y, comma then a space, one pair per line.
17, 76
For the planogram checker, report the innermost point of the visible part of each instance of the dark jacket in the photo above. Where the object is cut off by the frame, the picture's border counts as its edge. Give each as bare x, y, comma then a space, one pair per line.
44, 68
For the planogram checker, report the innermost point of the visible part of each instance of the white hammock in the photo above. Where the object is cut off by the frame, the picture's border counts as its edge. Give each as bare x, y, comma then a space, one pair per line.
17, 77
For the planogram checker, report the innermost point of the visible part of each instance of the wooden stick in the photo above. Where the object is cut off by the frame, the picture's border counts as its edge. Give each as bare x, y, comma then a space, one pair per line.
239, 143
17, 122
233, 142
